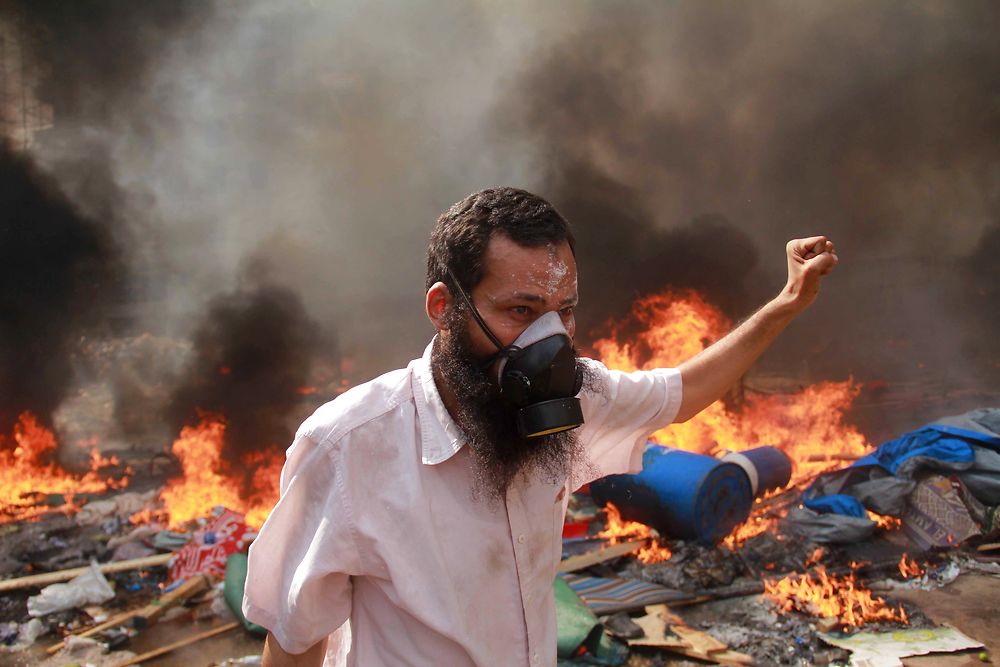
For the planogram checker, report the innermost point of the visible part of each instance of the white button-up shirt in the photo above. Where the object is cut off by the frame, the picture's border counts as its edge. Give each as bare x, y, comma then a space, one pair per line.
377, 540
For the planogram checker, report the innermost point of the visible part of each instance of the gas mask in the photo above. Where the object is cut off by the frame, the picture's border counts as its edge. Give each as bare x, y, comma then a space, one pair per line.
537, 374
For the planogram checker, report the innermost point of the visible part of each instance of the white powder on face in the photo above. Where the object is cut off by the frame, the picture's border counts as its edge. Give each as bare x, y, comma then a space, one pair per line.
557, 271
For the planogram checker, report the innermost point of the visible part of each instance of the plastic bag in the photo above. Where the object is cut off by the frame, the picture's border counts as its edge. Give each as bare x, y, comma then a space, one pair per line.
89, 588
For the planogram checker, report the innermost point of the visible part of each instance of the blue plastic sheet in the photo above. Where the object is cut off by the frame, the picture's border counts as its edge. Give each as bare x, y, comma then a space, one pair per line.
936, 442
837, 503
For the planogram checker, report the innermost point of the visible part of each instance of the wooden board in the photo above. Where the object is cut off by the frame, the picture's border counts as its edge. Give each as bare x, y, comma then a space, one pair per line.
583, 561
65, 575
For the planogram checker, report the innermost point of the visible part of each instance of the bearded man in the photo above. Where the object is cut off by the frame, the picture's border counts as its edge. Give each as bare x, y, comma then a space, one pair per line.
421, 513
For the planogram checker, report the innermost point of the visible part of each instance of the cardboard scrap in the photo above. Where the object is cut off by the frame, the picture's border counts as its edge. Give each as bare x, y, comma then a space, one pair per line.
726, 657
884, 649
654, 625
663, 630
697, 640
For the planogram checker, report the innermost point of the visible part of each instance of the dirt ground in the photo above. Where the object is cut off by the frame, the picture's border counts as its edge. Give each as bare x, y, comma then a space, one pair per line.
971, 604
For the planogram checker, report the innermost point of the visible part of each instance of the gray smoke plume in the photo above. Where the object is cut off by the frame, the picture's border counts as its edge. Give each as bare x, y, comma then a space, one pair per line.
874, 124
686, 141
252, 355
60, 273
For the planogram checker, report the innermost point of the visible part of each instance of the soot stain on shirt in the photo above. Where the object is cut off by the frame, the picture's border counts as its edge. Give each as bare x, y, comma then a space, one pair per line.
496, 557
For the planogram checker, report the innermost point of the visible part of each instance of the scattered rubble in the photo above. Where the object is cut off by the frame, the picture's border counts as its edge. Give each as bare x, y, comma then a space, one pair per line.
83, 586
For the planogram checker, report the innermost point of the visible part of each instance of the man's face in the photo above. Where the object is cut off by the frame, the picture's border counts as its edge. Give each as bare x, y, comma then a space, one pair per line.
519, 285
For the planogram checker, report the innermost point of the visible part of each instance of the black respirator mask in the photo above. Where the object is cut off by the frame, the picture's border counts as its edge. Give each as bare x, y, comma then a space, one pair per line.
537, 374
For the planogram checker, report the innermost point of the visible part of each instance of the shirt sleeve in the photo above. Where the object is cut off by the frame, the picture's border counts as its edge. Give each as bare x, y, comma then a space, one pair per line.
622, 411
298, 580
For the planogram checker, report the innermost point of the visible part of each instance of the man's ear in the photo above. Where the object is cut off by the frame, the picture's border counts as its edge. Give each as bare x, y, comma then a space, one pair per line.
437, 304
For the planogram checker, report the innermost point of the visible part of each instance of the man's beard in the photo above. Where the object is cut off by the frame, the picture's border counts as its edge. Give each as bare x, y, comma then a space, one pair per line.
488, 422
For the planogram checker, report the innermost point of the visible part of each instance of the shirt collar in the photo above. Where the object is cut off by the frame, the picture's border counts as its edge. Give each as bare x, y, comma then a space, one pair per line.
441, 437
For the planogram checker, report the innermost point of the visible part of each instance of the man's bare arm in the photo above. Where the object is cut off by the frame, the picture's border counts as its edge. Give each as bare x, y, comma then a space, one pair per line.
275, 656
708, 375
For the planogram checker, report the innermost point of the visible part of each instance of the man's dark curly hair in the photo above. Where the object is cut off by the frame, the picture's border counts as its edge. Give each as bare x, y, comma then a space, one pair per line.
462, 233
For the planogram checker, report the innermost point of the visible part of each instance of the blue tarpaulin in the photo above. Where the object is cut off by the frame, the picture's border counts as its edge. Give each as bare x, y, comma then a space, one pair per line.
937, 442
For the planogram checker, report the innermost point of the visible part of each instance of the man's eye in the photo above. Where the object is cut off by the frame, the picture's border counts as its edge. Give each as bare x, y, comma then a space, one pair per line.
521, 310
567, 311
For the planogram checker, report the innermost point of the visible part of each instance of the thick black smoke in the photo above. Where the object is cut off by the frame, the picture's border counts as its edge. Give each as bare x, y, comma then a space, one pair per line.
610, 158
253, 352
96, 63
60, 271
689, 141
101, 54
623, 256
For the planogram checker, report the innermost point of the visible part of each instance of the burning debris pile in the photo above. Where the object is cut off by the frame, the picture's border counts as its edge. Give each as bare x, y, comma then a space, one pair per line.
90, 559
106, 223
776, 597
197, 429
777, 498
764, 531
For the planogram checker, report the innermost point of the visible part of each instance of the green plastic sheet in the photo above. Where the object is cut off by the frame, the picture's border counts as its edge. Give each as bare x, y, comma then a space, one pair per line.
576, 625
232, 590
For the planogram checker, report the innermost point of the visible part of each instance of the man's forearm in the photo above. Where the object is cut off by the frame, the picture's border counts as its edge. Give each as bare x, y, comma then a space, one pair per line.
275, 656
710, 374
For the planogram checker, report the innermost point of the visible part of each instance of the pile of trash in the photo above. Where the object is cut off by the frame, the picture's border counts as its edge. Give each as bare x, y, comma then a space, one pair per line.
136, 576
812, 583
718, 560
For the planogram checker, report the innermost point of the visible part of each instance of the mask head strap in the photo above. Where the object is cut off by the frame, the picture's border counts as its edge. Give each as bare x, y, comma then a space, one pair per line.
475, 312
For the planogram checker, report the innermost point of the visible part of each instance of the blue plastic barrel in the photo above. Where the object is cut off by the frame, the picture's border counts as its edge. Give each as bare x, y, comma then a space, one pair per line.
680, 494
767, 467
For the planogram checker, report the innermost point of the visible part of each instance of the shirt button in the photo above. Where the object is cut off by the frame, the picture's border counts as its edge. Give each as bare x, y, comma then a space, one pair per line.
534, 657
520, 539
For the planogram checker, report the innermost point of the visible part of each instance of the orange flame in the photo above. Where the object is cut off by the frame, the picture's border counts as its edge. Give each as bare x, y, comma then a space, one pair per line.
27, 472
885, 522
761, 520
910, 568
265, 484
827, 595
807, 425
617, 529
142, 516
816, 556
676, 326
204, 486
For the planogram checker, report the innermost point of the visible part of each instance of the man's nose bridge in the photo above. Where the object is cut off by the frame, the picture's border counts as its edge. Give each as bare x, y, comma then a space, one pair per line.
547, 324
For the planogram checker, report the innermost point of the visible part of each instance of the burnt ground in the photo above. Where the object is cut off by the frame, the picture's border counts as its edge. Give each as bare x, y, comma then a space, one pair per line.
971, 603
747, 623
